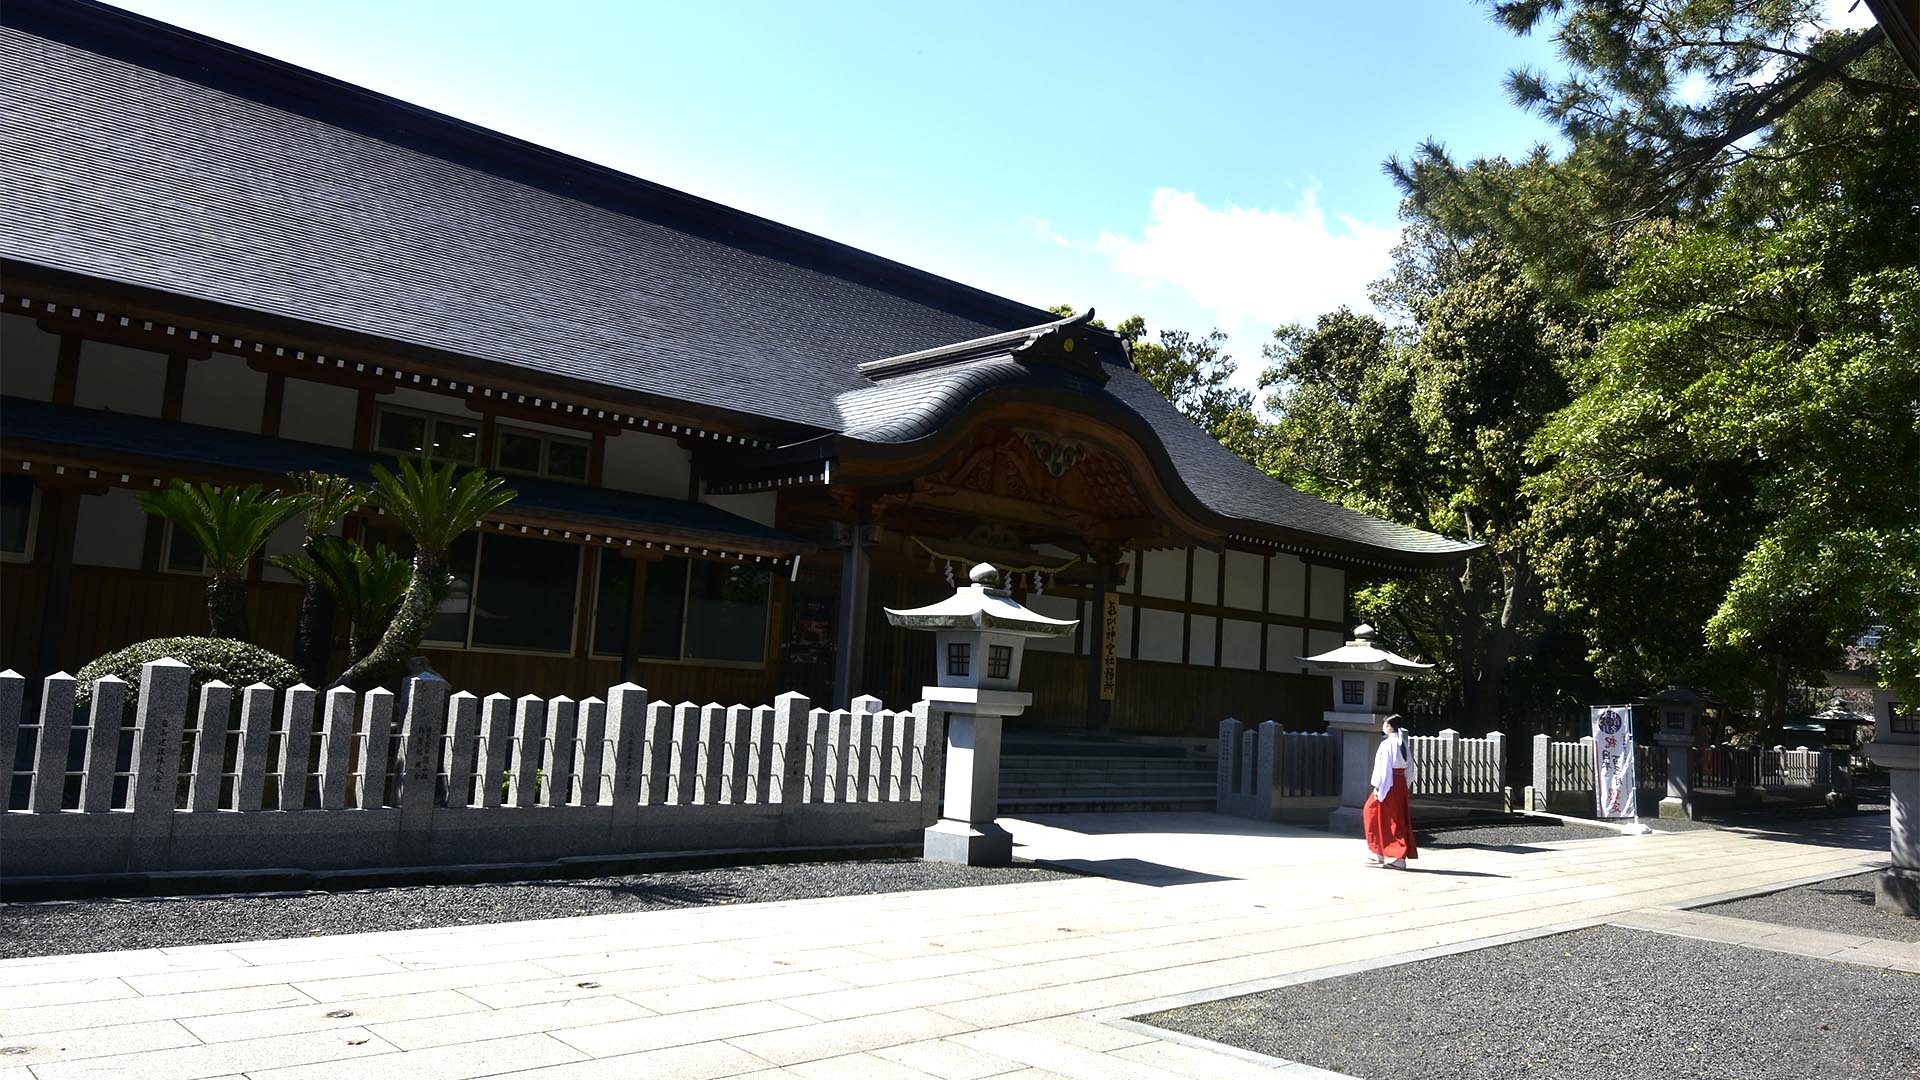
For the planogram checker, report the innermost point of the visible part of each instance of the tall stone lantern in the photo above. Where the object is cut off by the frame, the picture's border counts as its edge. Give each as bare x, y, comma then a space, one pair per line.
1363, 677
980, 634
1677, 728
1896, 748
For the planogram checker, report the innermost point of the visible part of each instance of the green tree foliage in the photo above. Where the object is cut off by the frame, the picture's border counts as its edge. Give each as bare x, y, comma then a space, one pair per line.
231, 525
1427, 423
334, 497
1195, 375
435, 505
365, 583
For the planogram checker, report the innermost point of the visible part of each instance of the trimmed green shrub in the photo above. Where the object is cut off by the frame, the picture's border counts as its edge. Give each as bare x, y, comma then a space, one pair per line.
235, 663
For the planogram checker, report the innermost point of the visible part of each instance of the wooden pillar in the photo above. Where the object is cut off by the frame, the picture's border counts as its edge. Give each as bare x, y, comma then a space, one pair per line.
275, 404
854, 571
636, 610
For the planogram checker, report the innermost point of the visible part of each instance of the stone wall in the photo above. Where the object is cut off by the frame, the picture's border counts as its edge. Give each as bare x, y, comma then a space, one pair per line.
252, 779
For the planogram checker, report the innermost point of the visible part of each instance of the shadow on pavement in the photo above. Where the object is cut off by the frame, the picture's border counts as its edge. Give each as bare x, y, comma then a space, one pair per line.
1138, 871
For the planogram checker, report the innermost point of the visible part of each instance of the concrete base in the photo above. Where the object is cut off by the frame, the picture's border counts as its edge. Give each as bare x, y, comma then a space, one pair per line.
969, 845
1898, 890
1347, 821
1672, 809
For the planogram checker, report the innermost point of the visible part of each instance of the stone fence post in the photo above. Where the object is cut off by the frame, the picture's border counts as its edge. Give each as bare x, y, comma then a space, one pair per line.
1538, 793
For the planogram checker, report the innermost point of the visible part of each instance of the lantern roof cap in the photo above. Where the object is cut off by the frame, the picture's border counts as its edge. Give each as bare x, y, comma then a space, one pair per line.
983, 605
1678, 695
1361, 654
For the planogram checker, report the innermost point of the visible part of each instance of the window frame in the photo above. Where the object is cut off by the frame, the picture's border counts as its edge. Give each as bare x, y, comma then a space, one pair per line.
686, 588
34, 501
473, 607
167, 536
547, 440
425, 453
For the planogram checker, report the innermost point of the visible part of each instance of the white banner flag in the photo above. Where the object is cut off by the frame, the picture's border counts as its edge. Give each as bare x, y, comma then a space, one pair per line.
1615, 794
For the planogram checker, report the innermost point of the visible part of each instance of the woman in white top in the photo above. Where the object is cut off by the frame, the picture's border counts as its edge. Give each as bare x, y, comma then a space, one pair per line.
1388, 821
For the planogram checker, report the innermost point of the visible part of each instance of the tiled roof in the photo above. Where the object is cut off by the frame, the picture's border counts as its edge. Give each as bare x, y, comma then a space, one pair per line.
132, 441
144, 155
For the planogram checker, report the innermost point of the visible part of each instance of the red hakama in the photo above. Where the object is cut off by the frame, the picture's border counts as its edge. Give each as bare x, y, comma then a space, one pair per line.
1388, 823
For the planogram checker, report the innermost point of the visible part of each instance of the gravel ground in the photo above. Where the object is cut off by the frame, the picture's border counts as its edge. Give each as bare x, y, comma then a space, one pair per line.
99, 925
1841, 906
1512, 832
1600, 1004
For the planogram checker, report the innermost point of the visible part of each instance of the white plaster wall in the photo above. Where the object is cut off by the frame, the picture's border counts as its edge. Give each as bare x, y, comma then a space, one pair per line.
1162, 633
1329, 595
1206, 576
1285, 645
1240, 644
28, 357
1245, 574
318, 413
754, 505
111, 530
1287, 589
1163, 574
1054, 607
120, 379
648, 464
1123, 638
222, 391
1200, 632
1319, 641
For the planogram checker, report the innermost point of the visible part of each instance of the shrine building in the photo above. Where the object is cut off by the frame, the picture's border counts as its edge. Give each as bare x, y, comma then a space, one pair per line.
733, 442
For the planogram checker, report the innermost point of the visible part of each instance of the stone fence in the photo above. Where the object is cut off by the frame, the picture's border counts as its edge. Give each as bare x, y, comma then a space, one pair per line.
1563, 775
1274, 775
254, 780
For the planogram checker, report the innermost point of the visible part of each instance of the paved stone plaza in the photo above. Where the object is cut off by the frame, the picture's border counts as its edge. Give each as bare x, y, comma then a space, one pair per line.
1029, 980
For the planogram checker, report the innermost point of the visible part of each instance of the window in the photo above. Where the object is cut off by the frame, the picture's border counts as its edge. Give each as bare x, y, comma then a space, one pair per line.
999, 661
509, 592
690, 609
1353, 692
436, 438
19, 514
181, 553
1382, 691
533, 453
957, 657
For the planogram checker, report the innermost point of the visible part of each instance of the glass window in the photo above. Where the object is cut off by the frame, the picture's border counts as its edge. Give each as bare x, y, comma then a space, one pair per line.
17, 498
727, 612
456, 440
1381, 692
999, 661
183, 552
449, 625
612, 603
957, 659
567, 460
402, 433
517, 451
663, 609
1353, 692
525, 594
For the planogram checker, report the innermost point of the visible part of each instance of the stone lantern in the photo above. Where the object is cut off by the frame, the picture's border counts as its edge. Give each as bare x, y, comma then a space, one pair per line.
980, 634
1676, 729
1363, 677
1839, 717
1896, 748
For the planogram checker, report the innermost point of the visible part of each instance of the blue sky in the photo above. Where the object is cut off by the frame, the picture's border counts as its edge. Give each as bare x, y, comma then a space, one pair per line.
1201, 164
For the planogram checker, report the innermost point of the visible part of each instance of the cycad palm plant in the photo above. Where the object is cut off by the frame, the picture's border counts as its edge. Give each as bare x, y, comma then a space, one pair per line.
366, 583
334, 497
434, 506
231, 525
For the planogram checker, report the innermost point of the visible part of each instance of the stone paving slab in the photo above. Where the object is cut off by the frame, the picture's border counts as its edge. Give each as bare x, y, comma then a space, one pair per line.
1019, 979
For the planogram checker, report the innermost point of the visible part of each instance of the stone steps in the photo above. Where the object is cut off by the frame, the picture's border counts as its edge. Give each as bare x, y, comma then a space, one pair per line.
1114, 777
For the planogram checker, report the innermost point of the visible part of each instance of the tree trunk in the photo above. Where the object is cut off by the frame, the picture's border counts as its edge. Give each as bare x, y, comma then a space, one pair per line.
313, 636
425, 588
227, 607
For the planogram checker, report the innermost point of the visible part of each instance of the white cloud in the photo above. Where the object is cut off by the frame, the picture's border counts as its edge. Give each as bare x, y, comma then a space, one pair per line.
1252, 266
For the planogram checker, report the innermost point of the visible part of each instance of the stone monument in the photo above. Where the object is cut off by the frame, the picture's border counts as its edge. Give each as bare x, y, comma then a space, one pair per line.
980, 636
1363, 676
